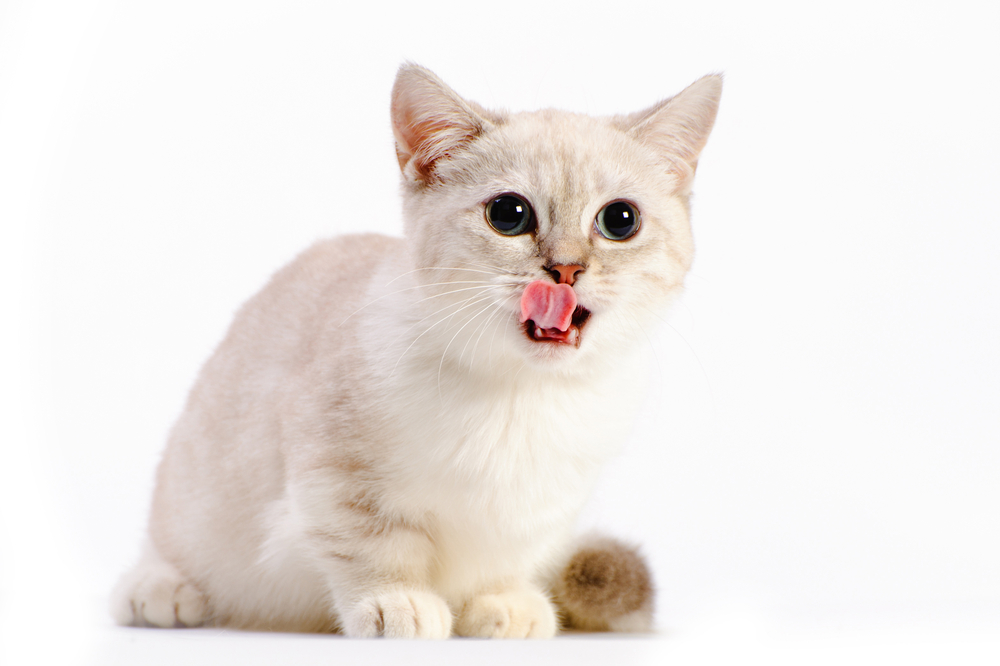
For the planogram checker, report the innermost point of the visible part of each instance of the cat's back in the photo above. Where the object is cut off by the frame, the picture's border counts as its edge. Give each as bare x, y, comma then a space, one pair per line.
313, 296
233, 412
277, 333
325, 279
345, 261
223, 463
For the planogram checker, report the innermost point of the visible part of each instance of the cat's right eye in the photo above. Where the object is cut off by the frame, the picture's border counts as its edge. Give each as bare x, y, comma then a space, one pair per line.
510, 215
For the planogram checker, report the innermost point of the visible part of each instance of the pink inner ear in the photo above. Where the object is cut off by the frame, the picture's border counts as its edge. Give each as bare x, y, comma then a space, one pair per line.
429, 120
549, 305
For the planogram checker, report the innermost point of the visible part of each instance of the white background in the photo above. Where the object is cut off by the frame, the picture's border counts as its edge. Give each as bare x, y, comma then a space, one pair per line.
816, 475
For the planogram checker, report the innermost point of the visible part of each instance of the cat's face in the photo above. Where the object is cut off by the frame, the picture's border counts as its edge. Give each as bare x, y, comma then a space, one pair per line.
496, 202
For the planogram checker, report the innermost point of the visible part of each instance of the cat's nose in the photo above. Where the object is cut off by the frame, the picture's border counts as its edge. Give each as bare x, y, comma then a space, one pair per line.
563, 273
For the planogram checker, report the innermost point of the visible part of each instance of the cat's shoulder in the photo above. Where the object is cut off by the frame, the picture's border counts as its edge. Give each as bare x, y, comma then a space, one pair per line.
351, 257
330, 275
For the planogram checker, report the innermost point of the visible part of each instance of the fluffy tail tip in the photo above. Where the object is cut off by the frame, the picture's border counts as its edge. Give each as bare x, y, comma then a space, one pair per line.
606, 586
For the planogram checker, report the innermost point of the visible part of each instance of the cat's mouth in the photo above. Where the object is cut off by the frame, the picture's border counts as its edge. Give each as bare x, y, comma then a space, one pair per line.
571, 336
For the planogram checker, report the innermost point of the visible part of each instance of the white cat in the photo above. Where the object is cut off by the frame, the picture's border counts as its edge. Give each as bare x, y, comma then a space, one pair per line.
396, 435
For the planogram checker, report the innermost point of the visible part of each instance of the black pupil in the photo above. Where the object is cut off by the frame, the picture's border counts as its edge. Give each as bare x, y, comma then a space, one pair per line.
508, 214
619, 219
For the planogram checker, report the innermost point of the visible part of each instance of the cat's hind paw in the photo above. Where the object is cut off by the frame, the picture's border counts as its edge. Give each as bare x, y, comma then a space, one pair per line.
155, 594
399, 614
516, 614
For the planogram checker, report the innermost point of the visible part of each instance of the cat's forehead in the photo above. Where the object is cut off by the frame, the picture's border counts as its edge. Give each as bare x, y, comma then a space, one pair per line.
557, 154
561, 131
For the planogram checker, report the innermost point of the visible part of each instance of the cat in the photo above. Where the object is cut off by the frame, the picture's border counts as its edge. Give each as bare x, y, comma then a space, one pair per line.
396, 435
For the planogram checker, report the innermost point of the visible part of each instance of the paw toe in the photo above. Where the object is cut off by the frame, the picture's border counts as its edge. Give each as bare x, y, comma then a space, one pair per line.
160, 602
508, 615
400, 614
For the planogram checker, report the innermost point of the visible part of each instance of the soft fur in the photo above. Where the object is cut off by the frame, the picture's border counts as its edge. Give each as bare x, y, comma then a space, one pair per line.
377, 447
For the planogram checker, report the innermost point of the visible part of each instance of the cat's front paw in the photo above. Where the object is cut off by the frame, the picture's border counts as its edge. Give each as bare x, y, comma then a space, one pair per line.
399, 614
516, 614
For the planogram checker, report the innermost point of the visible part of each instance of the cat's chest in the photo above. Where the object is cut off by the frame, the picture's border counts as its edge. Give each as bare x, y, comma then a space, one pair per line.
513, 456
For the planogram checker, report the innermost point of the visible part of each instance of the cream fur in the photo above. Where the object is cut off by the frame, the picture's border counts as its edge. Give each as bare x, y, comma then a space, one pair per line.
377, 446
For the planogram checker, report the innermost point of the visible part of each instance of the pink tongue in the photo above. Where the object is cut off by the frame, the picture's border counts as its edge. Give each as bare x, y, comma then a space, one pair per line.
548, 305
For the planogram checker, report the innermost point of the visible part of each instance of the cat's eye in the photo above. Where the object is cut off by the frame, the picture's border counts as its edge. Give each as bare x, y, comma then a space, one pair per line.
617, 221
510, 215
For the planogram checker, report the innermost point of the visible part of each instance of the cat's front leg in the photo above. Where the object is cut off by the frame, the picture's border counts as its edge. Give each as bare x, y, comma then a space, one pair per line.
376, 565
379, 586
517, 611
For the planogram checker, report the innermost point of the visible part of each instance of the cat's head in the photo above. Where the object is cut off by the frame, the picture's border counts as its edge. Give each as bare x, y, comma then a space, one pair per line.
496, 201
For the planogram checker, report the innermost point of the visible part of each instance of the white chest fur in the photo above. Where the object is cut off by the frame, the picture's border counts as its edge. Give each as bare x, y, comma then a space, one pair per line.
502, 466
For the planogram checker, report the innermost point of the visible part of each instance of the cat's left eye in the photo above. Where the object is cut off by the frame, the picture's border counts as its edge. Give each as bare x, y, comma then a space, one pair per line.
617, 221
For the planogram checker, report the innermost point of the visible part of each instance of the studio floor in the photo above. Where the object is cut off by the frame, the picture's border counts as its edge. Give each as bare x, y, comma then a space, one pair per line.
735, 638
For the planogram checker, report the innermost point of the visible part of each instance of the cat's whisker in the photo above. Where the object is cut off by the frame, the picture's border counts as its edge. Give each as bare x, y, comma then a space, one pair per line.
438, 268
465, 347
495, 269
455, 291
428, 329
425, 318
432, 314
467, 320
418, 286
444, 354
497, 309
506, 351
500, 310
506, 323
451, 316
493, 336
484, 283
480, 264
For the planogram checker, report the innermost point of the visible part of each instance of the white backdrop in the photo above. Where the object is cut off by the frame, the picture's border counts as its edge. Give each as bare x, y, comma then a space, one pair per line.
821, 445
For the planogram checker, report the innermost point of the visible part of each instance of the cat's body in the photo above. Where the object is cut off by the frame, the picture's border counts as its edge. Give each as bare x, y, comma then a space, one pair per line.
381, 444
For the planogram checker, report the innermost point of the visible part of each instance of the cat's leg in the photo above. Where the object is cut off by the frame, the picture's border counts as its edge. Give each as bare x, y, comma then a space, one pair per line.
379, 586
515, 611
376, 564
155, 594
605, 586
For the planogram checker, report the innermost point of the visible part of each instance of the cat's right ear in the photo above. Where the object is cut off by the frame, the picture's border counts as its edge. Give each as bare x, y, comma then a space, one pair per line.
430, 121
678, 127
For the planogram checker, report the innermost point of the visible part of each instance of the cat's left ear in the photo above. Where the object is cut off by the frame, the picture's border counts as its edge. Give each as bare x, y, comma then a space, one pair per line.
678, 127
430, 121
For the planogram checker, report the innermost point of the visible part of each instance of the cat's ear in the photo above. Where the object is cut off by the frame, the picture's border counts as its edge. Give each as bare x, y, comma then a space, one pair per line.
678, 127
430, 121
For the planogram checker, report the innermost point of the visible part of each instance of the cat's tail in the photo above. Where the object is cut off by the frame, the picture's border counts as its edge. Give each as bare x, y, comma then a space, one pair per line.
605, 586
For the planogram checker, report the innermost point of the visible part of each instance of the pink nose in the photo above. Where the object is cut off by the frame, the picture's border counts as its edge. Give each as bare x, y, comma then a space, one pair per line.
565, 274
